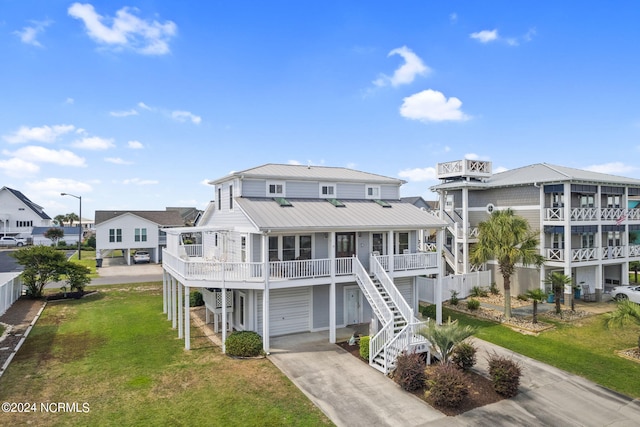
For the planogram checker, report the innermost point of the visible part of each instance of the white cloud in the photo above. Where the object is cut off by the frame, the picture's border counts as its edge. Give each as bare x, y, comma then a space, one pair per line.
40, 134
419, 174
117, 161
485, 36
131, 112
94, 143
293, 162
183, 116
135, 145
614, 168
18, 168
37, 154
138, 181
432, 106
529, 34
453, 18
407, 72
29, 34
144, 106
52, 187
126, 30
474, 156
69, 101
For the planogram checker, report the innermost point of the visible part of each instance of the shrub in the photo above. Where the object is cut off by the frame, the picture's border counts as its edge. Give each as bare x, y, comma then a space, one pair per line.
454, 298
494, 289
505, 375
448, 386
244, 344
195, 299
91, 242
523, 297
409, 373
478, 292
428, 311
364, 347
473, 304
464, 356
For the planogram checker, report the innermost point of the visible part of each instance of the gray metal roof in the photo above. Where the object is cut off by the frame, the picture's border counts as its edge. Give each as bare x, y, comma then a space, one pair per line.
320, 215
24, 199
542, 173
168, 218
309, 173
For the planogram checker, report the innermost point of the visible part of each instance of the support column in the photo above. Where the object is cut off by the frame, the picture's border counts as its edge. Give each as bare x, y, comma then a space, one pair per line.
224, 317
187, 320
164, 292
390, 253
174, 306
465, 230
180, 311
332, 288
441, 269
265, 293
568, 252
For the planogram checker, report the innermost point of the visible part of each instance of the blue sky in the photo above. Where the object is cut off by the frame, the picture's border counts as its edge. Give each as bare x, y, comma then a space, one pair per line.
136, 104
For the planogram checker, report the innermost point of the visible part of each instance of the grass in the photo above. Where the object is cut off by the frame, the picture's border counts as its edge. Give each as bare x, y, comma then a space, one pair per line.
117, 352
585, 348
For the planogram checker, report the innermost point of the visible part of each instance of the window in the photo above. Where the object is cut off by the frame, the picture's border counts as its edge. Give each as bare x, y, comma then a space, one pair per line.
140, 235
557, 241
24, 223
241, 315
275, 189
273, 248
613, 201
613, 238
115, 235
586, 200
288, 248
327, 191
557, 200
230, 196
305, 247
243, 249
377, 240
402, 243
219, 198
588, 240
373, 192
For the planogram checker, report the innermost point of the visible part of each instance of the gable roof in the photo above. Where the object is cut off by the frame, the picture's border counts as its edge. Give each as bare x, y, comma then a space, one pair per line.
309, 173
68, 231
24, 199
321, 215
541, 173
168, 218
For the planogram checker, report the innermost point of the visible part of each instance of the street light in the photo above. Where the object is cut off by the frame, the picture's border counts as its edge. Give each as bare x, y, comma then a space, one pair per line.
80, 229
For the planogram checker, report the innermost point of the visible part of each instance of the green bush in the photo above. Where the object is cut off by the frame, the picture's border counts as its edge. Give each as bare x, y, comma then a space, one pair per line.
493, 289
195, 299
454, 298
448, 386
473, 304
91, 242
244, 344
505, 375
428, 311
478, 292
464, 356
523, 297
364, 347
409, 373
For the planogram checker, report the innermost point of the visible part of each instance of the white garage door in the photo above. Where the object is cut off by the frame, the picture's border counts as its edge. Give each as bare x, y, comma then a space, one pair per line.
290, 311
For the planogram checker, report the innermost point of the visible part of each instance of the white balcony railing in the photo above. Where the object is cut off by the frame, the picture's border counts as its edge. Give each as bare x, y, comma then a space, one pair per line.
584, 214
584, 254
555, 254
612, 252
554, 214
593, 214
634, 250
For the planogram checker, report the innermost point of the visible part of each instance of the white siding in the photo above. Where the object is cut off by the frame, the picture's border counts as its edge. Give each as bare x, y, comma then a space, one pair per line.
289, 311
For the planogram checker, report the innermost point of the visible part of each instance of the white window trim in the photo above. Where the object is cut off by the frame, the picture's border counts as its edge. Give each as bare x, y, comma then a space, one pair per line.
270, 183
327, 196
374, 197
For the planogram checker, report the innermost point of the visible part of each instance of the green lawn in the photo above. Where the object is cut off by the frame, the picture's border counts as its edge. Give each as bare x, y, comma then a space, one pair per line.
117, 352
583, 347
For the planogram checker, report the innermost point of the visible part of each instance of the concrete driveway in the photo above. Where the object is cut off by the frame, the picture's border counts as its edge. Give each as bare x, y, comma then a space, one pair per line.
354, 394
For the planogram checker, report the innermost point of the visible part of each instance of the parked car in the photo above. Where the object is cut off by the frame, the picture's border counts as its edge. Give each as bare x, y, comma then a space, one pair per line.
632, 293
12, 241
141, 256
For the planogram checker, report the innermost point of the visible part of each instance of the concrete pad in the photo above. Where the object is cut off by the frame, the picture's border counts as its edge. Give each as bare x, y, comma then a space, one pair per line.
348, 391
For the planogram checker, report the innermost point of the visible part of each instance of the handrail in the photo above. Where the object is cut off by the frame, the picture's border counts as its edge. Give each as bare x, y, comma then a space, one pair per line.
373, 296
391, 289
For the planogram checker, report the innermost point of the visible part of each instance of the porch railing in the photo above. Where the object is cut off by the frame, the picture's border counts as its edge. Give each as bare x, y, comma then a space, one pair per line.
584, 254
408, 262
612, 252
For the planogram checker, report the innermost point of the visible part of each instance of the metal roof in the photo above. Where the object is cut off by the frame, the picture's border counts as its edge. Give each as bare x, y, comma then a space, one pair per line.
541, 173
24, 199
309, 173
168, 218
321, 215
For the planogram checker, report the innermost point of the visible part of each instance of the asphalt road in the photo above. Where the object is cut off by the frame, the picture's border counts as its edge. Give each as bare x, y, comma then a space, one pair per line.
8, 264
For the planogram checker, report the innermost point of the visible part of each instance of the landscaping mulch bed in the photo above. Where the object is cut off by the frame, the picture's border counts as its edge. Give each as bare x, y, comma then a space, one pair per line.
481, 390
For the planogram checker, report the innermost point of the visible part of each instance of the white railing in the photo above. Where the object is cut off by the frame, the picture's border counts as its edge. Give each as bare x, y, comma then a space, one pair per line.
584, 254
10, 290
611, 252
555, 254
634, 250
430, 247
460, 283
633, 214
612, 214
193, 250
465, 167
213, 299
409, 262
554, 214
391, 289
584, 214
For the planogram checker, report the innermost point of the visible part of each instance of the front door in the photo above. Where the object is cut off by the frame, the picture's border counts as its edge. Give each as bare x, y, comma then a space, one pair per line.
345, 245
352, 305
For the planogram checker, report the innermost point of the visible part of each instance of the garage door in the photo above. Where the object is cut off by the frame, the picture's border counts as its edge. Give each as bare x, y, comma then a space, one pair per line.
290, 311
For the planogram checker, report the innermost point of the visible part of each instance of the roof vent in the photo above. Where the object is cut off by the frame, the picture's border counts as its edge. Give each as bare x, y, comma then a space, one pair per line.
282, 202
335, 202
382, 203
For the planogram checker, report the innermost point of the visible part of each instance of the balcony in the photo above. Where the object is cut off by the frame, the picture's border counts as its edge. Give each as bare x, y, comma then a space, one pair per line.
592, 214
252, 274
466, 167
591, 254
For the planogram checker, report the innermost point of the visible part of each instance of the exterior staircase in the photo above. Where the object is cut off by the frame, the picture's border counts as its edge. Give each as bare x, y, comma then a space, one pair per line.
400, 327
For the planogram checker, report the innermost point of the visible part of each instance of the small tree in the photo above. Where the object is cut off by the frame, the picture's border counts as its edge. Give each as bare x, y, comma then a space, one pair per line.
42, 264
635, 266
77, 276
54, 234
444, 338
626, 312
557, 280
59, 220
536, 295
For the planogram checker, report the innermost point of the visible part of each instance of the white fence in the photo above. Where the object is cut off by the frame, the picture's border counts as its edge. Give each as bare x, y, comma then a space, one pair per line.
461, 283
10, 290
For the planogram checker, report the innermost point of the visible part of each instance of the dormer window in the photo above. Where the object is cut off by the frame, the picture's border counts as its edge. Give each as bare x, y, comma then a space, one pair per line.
275, 189
373, 192
327, 191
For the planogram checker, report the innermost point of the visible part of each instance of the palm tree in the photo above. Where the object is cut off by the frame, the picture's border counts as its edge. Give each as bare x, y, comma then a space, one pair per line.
59, 220
625, 312
508, 239
444, 338
635, 266
71, 217
557, 280
536, 295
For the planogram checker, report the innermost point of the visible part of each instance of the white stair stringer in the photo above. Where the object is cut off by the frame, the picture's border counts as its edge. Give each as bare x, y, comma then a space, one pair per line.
400, 327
